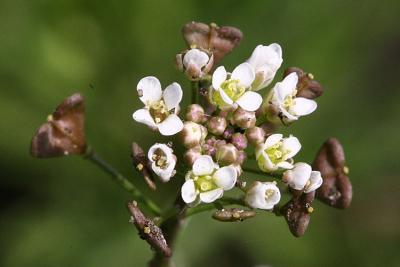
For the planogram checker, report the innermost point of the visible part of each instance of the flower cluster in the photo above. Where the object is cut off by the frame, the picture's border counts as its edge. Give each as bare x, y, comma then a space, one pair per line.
230, 134
231, 116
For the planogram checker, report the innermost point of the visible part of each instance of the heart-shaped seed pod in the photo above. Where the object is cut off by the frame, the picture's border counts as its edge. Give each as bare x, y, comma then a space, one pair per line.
63, 134
306, 87
233, 215
297, 213
219, 40
142, 164
336, 189
148, 230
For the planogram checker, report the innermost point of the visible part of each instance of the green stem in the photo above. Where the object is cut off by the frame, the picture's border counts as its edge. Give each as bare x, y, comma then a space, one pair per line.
122, 181
260, 172
195, 91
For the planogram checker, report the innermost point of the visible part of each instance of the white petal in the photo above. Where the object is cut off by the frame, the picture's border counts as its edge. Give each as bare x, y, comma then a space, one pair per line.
286, 116
292, 145
211, 196
225, 177
277, 48
266, 56
284, 165
250, 101
225, 97
204, 165
219, 76
298, 176
303, 106
244, 73
188, 191
315, 182
171, 125
272, 140
143, 116
172, 95
196, 57
149, 89
286, 87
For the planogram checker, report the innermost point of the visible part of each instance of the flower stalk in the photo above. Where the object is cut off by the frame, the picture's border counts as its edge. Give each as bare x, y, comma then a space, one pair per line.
122, 181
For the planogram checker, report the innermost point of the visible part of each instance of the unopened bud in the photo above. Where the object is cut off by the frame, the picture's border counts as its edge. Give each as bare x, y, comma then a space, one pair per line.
192, 134
244, 119
217, 125
242, 157
195, 113
227, 154
192, 154
195, 63
239, 141
255, 135
229, 131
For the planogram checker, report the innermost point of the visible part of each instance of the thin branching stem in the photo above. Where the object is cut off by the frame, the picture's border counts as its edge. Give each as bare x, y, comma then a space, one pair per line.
123, 182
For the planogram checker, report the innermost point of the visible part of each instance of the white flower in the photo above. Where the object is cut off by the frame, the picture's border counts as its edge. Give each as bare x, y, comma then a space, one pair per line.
265, 61
195, 63
302, 177
231, 90
161, 108
162, 160
283, 97
263, 195
207, 182
277, 152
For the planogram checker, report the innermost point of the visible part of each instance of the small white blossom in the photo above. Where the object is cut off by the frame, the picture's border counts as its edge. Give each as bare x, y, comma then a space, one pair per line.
207, 182
302, 177
263, 195
283, 99
195, 63
162, 160
277, 152
265, 61
233, 90
161, 107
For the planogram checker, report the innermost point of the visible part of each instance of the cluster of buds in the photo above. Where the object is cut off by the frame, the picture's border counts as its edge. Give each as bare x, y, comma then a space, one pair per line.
229, 126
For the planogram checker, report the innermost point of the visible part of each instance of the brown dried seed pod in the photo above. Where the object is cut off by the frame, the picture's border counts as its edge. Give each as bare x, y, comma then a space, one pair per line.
142, 164
336, 189
306, 87
219, 40
148, 230
233, 215
63, 133
297, 213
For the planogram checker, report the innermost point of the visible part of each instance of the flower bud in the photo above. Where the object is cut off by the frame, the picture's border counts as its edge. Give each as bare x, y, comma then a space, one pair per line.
192, 134
263, 195
195, 113
242, 157
192, 154
195, 63
229, 131
217, 125
255, 135
244, 119
239, 141
227, 154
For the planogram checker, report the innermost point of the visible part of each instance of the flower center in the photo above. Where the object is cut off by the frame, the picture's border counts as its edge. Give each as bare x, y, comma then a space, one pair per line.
276, 153
159, 111
160, 158
231, 88
204, 183
289, 100
269, 193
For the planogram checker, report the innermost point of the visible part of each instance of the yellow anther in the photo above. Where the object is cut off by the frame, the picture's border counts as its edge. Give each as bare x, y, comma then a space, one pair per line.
50, 117
310, 75
146, 230
139, 167
346, 170
310, 209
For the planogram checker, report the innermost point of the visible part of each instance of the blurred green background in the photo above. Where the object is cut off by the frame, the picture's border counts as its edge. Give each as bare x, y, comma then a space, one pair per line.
66, 212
